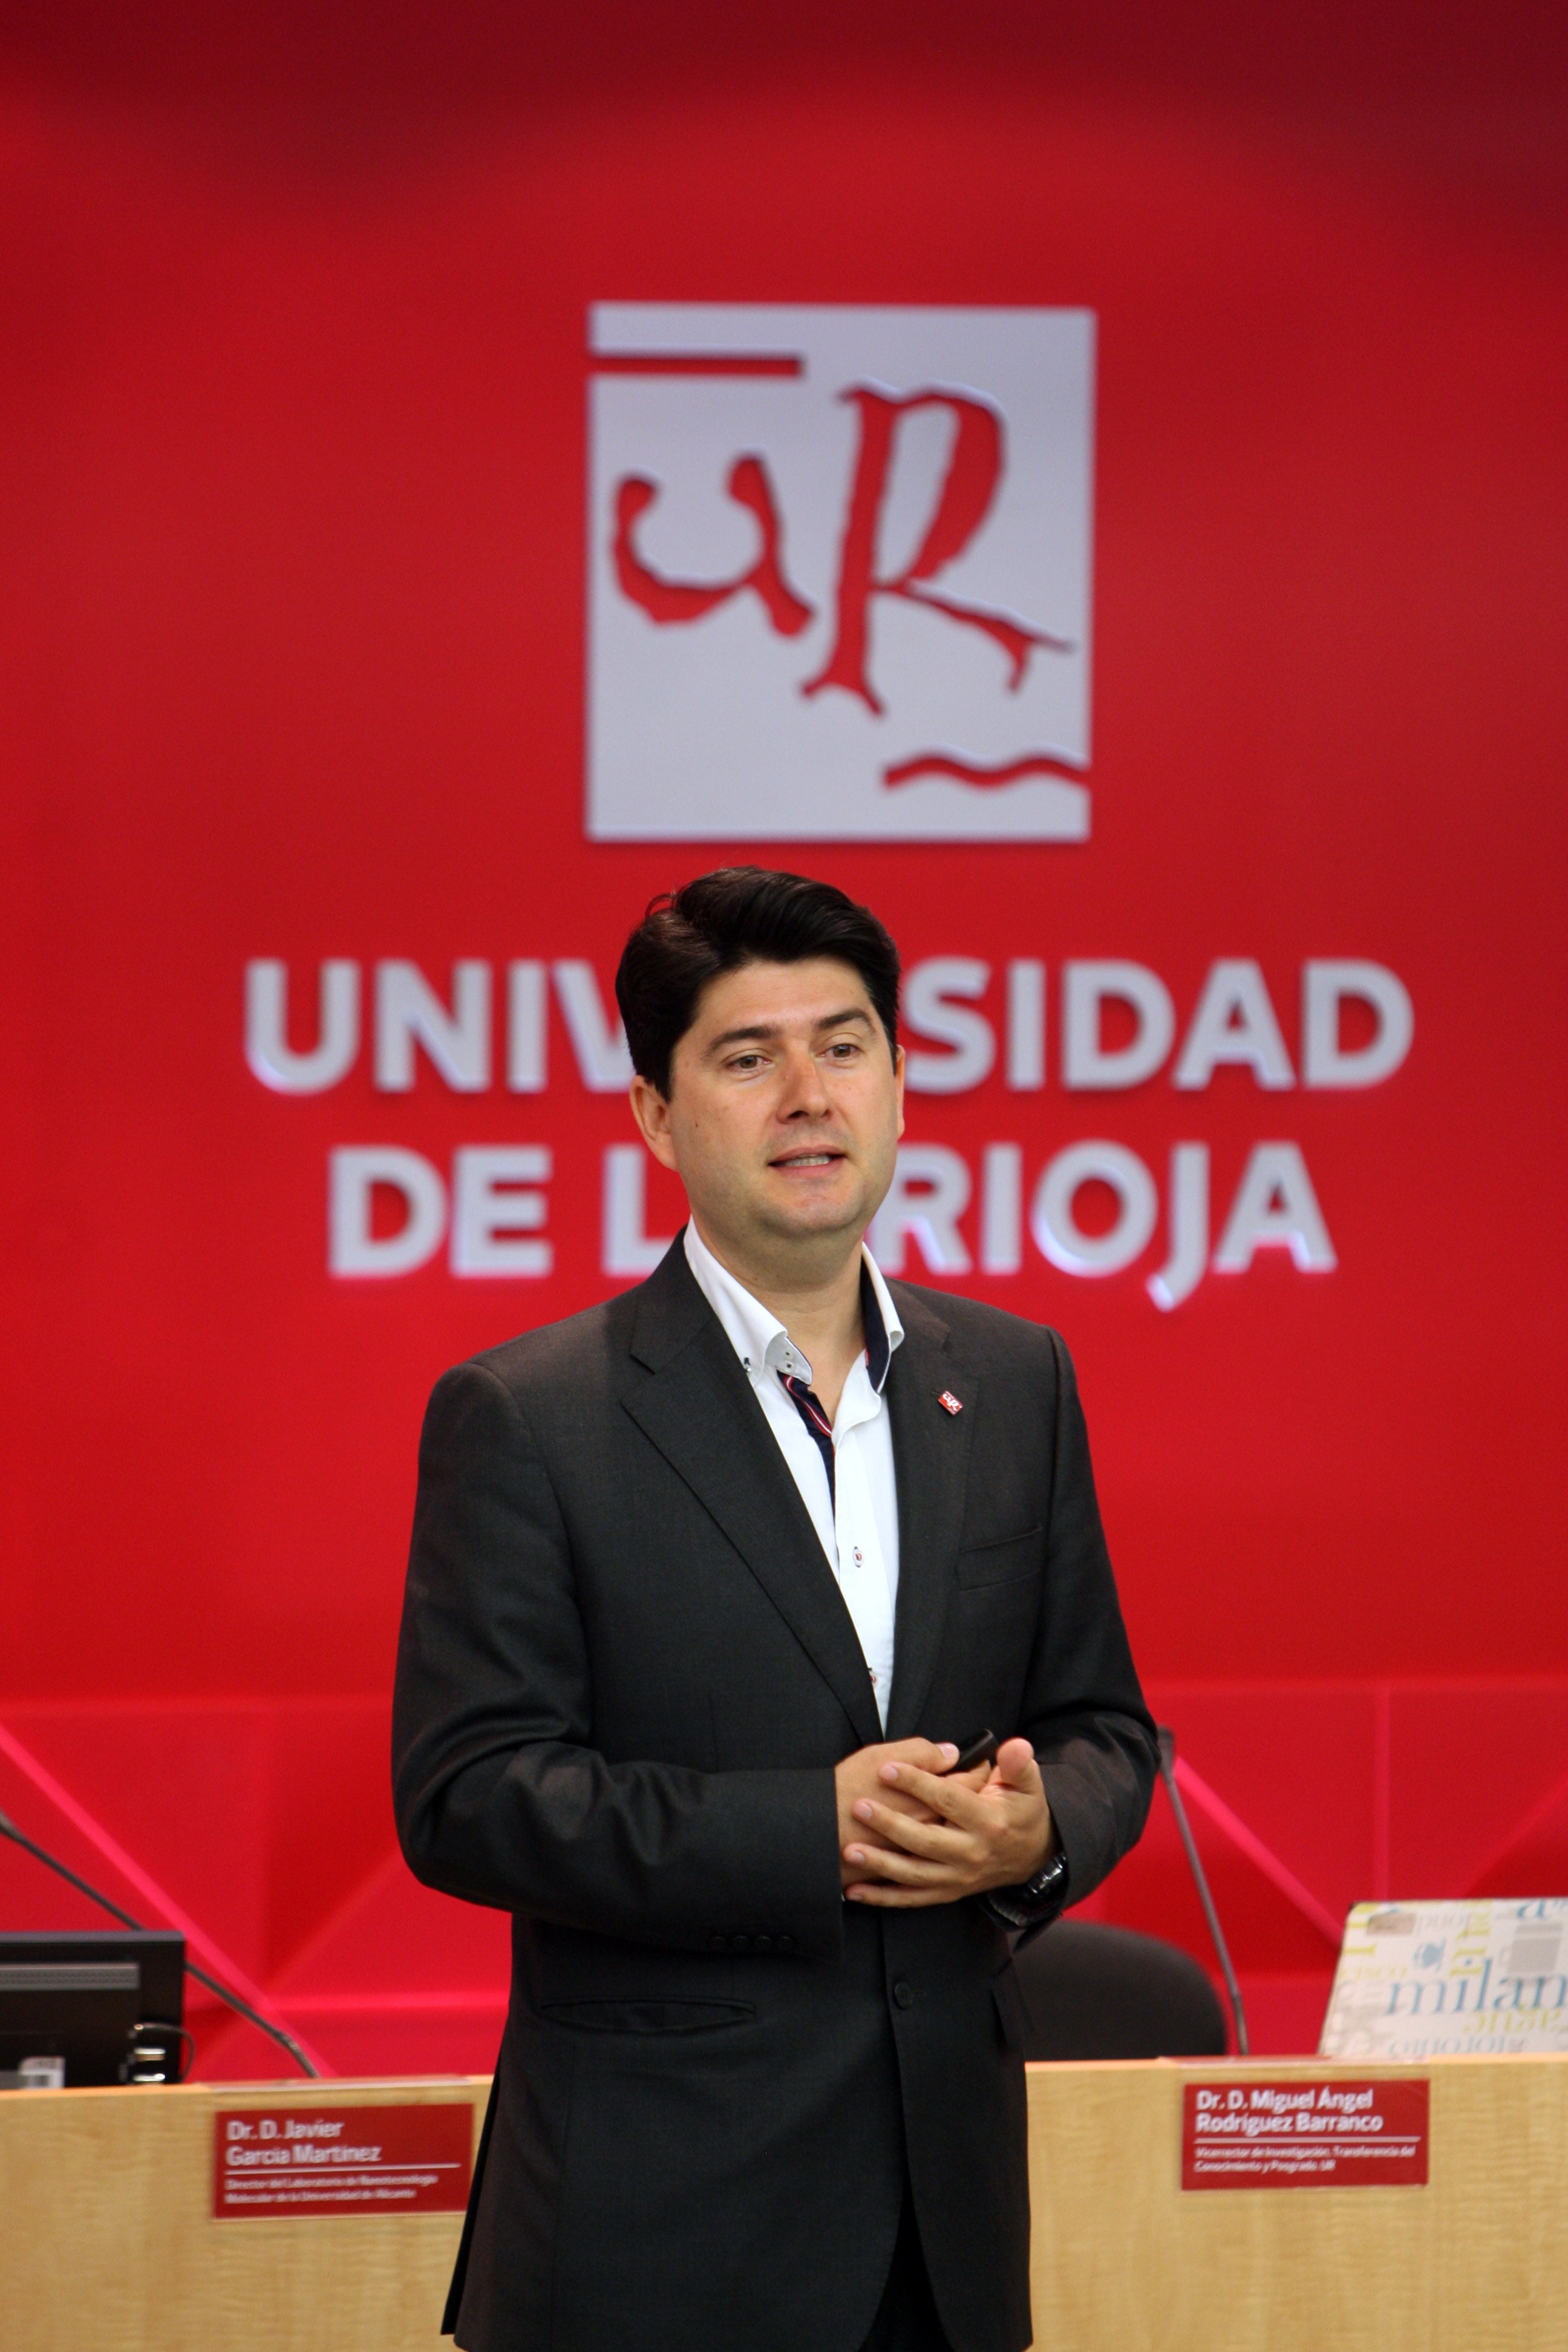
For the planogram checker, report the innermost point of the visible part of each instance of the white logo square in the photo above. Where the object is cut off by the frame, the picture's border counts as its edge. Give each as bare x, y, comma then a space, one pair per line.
839, 573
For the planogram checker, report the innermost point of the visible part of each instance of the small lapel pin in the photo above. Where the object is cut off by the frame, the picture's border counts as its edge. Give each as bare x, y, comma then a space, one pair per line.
949, 1402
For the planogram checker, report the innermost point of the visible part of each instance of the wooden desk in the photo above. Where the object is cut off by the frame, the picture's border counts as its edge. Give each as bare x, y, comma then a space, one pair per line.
1125, 2261
106, 2242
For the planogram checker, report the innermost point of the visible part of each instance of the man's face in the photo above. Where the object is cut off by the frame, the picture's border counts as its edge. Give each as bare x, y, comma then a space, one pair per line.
784, 1110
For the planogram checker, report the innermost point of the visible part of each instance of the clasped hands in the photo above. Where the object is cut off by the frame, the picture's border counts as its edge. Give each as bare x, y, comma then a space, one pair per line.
912, 1833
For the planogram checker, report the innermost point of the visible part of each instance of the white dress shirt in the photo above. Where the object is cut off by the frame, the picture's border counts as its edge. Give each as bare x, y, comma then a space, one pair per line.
857, 1520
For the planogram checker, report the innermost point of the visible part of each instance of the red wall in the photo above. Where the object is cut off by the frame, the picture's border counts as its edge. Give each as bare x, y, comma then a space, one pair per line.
291, 665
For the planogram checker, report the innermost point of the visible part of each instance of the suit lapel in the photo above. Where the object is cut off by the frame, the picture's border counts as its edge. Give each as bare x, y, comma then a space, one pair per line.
930, 1458
695, 1404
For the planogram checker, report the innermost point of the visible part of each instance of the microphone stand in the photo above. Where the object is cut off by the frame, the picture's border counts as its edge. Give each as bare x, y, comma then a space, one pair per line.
1167, 1739
275, 2032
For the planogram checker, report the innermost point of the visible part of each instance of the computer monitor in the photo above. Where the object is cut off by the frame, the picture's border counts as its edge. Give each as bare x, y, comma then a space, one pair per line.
104, 2007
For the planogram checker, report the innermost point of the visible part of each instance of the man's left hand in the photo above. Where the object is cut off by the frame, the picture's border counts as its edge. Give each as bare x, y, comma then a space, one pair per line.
998, 1835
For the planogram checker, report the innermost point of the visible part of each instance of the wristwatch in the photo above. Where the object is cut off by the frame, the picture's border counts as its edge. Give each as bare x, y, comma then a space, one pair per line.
1039, 1898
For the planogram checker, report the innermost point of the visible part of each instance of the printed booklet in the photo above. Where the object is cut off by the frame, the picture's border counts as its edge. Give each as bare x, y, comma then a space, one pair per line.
1437, 1979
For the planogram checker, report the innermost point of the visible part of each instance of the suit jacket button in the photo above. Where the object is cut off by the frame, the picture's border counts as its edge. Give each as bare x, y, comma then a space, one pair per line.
740, 1943
784, 1943
904, 1994
764, 1942
720, 1943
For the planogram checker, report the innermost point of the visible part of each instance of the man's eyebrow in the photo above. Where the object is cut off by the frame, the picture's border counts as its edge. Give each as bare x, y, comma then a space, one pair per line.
763, 1033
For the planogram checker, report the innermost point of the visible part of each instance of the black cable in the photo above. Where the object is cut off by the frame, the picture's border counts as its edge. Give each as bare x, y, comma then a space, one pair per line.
285, 2041
1167, 1739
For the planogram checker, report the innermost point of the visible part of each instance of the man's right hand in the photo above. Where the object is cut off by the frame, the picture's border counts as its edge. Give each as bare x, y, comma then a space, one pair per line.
858, 1776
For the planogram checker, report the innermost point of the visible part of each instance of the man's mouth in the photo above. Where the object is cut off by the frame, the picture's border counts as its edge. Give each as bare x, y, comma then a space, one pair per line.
807, 1160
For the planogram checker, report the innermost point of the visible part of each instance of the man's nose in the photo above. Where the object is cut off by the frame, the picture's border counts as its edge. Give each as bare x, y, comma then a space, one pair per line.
804, 1091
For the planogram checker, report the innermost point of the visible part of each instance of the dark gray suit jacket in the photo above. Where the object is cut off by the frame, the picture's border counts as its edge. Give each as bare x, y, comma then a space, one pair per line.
626, 1675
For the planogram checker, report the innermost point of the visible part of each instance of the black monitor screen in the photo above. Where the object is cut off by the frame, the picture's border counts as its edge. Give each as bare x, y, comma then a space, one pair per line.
77, 2000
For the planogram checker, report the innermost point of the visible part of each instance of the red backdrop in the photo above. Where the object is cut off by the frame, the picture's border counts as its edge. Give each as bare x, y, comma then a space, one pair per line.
291, 658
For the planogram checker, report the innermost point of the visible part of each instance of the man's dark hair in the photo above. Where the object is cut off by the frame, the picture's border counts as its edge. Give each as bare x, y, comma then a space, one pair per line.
740, 914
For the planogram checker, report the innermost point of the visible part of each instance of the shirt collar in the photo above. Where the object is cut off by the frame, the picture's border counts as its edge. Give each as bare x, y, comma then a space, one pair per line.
760, 1339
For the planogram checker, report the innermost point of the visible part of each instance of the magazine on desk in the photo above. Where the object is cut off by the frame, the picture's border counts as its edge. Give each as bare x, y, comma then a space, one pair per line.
1484, 1978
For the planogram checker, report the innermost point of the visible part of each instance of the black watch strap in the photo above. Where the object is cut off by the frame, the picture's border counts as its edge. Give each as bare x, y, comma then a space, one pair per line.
1039, 1898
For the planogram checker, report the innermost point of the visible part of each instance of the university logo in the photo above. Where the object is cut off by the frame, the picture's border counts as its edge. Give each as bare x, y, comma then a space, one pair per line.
838, 569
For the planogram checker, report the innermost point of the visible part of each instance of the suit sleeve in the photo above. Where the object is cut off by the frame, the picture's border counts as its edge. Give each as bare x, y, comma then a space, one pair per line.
1084, 1710
501, 1795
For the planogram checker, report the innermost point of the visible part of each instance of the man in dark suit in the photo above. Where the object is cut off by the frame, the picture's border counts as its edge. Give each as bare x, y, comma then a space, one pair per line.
708, 1587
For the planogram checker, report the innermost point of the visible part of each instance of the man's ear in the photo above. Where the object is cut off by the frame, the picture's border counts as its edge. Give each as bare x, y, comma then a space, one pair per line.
898, 1082
651, 1112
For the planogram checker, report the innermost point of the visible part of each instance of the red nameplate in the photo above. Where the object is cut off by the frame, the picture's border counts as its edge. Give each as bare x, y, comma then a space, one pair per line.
1302, 2134
308, 2159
